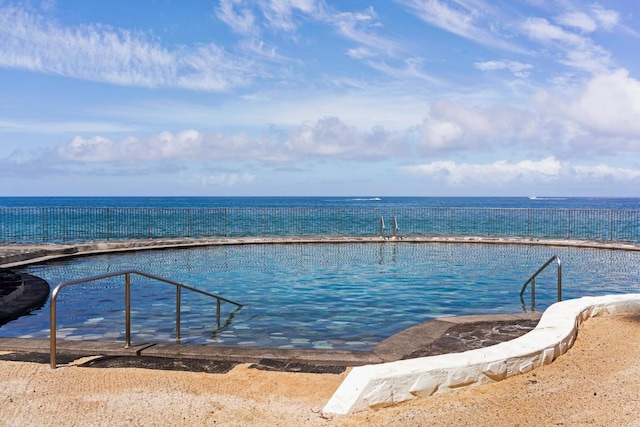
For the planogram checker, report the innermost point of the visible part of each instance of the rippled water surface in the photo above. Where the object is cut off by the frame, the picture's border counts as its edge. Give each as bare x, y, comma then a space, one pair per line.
341, 296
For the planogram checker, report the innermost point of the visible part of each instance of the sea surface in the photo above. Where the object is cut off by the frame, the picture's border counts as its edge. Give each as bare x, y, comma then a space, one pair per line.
328, 201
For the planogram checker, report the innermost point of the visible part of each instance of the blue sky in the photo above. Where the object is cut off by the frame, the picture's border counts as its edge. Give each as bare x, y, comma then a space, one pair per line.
320, 97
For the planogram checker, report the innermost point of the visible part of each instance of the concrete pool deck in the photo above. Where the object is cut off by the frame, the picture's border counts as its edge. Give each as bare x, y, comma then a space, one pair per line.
593, 384
381, 383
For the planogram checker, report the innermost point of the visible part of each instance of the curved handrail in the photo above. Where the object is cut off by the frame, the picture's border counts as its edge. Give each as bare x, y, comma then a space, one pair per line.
127, 274
532, 280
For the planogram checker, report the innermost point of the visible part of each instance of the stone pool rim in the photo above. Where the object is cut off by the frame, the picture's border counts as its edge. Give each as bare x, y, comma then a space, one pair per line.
394, 348
14, 255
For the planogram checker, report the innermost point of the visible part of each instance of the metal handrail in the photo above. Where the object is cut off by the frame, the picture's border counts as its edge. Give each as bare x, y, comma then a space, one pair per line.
394, 227
532, 280
127, 274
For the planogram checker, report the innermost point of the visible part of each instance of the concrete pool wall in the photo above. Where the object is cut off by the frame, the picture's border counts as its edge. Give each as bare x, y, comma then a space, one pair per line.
389, 383
15, 255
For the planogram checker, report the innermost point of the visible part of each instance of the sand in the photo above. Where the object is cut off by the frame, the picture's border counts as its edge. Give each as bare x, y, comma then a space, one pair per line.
593, 384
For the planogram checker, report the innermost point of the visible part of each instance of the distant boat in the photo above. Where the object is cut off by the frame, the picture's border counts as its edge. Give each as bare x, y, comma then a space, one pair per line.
532, 197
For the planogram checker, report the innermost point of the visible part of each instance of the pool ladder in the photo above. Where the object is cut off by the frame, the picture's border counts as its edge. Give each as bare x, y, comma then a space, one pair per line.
394, 228
127, 297
532, 280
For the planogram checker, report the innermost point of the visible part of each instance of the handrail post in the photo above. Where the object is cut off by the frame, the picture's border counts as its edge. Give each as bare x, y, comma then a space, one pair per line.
52, 333
532, 280
381, 226
218, 312
533, 294
178, 305
127, 309
559, 279
395, 226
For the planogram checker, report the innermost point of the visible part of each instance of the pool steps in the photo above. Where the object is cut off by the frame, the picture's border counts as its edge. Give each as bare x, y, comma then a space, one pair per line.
385, 384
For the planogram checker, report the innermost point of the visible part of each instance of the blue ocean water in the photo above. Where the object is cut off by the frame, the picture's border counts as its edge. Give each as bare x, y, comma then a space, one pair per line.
328, 201
66, 219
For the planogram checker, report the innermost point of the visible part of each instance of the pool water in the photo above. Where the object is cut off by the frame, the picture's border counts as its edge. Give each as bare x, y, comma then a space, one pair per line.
324, 296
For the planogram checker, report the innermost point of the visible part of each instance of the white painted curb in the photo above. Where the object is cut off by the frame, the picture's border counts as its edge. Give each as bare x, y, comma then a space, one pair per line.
388, 383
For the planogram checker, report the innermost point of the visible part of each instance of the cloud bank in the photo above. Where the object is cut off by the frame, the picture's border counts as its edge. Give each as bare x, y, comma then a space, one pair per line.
116, 56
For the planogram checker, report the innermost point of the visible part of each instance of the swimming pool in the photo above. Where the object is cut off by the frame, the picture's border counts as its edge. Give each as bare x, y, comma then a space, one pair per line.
322, 296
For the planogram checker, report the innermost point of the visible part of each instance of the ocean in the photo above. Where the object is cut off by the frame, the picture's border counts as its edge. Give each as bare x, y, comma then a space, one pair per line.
328, 201
61, 219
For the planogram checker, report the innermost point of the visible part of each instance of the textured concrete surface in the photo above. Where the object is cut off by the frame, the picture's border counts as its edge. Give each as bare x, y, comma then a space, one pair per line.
593, 384
389, 383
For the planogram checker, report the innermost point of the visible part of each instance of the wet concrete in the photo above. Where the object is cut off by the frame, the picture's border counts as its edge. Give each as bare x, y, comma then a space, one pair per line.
446, 335
472, 336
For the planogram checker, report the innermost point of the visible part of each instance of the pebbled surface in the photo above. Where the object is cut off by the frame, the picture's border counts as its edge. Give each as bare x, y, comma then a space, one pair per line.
471, 336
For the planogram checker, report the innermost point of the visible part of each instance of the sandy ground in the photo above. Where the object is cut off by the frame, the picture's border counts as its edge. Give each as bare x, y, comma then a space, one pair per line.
594, 384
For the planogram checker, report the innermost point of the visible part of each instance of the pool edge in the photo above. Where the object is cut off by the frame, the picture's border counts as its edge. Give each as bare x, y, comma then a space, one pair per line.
17, 255
393, 348
389, 383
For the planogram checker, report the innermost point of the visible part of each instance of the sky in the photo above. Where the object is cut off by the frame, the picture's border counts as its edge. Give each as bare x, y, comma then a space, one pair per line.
320, 97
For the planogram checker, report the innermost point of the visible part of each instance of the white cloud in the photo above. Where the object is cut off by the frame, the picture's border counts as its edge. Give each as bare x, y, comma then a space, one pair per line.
287, 15
258, 48
579, 20
602, 172
226, 179
359, 27
497, 173
184, 145
517, 68
503, 173
328, 138
608, 105
408, 70
606, 18
106, 54
237, 16
242, 16
95, 149
578, 51
451, 126
332, 138
360, 53
473, 20
280, 13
